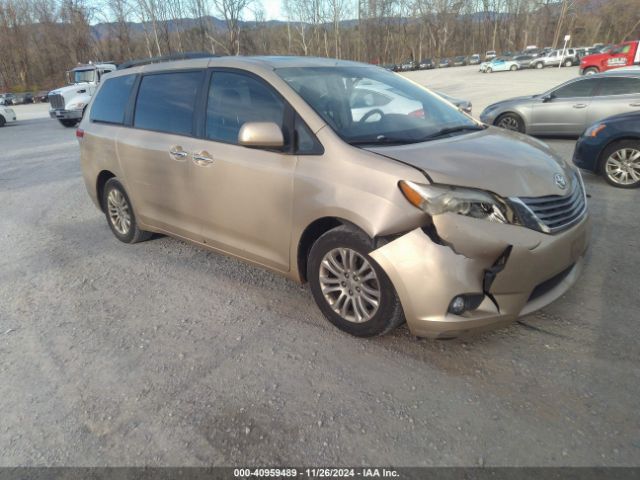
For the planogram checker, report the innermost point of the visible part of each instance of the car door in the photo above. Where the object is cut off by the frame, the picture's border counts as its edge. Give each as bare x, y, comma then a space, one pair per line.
153, 154
614, 95
243, 195
563, 111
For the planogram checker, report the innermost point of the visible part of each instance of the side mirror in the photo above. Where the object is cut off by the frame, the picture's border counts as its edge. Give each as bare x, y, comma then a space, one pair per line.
261, 135
548, 97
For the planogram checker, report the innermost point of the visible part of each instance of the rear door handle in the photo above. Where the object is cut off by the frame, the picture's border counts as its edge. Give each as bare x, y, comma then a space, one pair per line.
178, 153
202, 159
580, 105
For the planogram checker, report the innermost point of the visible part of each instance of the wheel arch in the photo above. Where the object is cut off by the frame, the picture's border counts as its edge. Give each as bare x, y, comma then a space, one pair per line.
612, 141
511, 112
103, 177
311, 233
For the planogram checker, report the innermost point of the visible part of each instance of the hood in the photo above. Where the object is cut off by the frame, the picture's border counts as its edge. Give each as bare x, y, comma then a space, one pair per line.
509, 100
72, 90
594, 58
496, 160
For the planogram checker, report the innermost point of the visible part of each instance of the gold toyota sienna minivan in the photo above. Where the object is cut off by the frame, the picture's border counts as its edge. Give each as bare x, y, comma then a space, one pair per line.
389, 201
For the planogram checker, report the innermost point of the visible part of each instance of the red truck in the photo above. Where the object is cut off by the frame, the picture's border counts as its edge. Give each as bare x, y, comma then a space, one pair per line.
623, 55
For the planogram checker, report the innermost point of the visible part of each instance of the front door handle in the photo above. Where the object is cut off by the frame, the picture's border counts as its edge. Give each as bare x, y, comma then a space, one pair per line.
636, 104
177, 153
202, 159
580, 105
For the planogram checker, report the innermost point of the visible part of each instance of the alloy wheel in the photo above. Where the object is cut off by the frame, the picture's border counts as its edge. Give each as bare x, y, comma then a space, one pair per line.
509, 122
349, 284
119, 212
623, 166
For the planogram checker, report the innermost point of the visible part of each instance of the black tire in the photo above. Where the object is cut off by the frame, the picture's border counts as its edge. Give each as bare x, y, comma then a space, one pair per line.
489, 70
2, 121
513, 68
590, 71
389, 312
133, 234
539, 65
568, 63
68, 123
611, 149
510, 121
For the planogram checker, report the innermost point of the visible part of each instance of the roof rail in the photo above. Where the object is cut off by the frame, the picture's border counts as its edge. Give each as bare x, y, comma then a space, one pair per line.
165, 58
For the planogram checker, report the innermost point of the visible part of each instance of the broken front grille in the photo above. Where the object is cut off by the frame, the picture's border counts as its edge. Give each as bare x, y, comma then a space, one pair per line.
554, 213
56, 101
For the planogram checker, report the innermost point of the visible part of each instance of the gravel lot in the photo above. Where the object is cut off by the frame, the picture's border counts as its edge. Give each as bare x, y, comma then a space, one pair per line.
164, 354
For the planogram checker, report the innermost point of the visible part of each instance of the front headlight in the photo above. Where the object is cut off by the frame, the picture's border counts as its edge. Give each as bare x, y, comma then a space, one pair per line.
594, 130
76, 106
439, 199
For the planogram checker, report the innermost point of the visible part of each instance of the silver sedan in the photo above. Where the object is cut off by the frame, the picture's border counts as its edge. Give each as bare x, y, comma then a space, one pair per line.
568, 109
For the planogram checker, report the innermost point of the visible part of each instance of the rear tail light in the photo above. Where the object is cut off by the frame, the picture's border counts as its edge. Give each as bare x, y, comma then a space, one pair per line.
79, 133
417, 113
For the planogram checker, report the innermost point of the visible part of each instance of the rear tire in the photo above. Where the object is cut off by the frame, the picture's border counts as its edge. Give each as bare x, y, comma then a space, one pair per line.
539, 65
613, 167
69, 123
513, 68
119, 212
2, 121
510, 121
349, 287
568, 63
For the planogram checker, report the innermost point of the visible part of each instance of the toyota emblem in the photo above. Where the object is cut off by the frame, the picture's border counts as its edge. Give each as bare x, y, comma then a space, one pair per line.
560, 181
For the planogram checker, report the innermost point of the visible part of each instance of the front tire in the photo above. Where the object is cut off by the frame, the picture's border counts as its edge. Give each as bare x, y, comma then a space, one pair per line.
513, 68
69, 123
349, 287
119, 212
510, 121
489, 70
2, 121
539, 65
591, 71
620, 165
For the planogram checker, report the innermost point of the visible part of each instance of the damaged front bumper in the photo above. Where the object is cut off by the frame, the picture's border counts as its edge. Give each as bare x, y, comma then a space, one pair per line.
515, 270
60, 114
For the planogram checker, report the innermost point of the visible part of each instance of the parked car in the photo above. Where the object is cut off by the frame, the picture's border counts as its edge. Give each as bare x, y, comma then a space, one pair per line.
490, 54
366, 211
523, 61
27, 98
625, 54
6, 115
555, 58
499, 64
474, 59
464, 105
611, 148
42, 96
407, 66
460, 61
445, 63
7, 99
568, 108
426, 64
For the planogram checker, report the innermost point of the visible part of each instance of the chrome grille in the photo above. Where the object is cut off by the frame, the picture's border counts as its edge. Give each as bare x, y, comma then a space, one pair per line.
56, 101
557, 212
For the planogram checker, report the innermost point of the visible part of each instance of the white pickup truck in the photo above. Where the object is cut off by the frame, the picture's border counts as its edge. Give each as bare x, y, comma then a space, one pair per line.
67, 104
6, 115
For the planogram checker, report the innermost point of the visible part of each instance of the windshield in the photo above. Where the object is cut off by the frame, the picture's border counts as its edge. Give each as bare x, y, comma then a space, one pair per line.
82, 76
369, 105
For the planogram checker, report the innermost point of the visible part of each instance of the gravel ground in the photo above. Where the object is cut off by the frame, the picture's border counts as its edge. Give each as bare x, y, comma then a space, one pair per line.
164, 354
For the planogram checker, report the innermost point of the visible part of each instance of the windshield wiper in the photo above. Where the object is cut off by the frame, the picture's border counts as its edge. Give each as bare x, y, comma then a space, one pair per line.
382, 140
457, 128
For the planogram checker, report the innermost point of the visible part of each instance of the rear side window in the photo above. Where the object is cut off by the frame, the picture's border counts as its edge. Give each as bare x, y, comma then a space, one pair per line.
166, 102
110, 104
619, 86
579, 88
